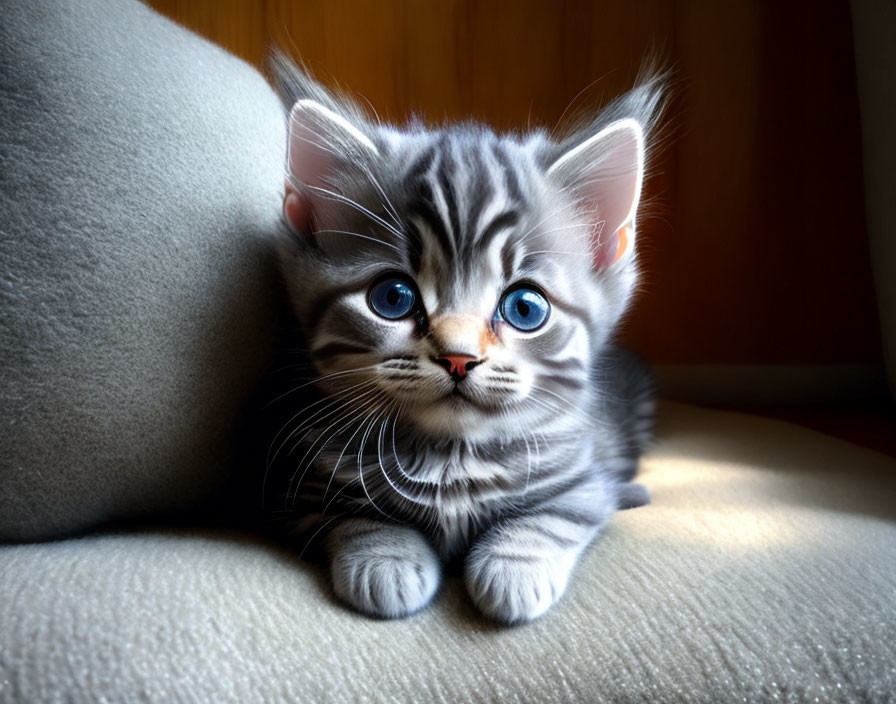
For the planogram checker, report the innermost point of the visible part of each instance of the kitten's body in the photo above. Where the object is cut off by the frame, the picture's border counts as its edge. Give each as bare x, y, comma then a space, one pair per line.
453, 489
449, 434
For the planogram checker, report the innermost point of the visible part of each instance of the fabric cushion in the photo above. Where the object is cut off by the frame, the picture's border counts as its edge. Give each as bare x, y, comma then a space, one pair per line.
764, 570
140, 177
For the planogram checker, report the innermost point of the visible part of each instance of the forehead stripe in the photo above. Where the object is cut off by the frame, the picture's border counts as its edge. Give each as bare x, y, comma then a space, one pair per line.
421, 166
446, 185
481, 192
425, 207
501, 222
510, 176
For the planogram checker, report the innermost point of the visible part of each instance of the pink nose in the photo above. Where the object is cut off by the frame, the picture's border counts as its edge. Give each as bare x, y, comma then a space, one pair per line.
457, 365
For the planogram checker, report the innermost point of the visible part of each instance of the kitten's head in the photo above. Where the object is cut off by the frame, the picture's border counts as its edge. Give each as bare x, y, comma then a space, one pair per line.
461, 278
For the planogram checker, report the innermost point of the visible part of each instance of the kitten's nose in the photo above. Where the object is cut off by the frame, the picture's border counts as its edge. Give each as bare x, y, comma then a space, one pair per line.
457, 365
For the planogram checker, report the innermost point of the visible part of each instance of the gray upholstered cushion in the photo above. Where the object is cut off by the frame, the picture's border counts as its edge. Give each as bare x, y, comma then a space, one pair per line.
140, 170
764, 571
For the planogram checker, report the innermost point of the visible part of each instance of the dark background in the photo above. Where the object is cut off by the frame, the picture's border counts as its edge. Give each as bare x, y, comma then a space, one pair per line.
753, 244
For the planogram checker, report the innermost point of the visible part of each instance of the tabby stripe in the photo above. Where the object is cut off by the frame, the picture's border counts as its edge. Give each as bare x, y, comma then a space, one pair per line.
344, 322
558, 344
508, 259
415, 247
425, 207
332, 349
482, 192
322, 303
629, 470
561, 487
569, 364
569, 515
571, 309
510, 176
563, 381
562, 541
505, 220
421, 166
396, 363
446, 184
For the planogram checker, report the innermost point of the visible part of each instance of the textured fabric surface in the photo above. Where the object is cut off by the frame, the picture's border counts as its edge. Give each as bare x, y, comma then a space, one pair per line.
764, 570
140, 177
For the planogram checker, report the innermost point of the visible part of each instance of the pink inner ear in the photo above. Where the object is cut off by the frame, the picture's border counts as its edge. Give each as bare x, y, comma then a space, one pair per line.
607, 170
615, 192
297, 211
611, 249
607, 251
309, 161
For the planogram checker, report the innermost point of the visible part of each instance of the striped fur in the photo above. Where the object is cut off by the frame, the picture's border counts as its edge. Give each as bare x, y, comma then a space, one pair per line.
392, 464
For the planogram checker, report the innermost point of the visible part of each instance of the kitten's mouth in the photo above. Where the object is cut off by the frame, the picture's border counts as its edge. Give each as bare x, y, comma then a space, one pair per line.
456, 396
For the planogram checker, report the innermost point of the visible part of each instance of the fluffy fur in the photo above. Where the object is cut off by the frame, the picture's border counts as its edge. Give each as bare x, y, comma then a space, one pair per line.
394, 458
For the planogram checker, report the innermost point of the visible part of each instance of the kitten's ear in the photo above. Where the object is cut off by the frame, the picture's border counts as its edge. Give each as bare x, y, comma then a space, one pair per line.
606, 172
321, 144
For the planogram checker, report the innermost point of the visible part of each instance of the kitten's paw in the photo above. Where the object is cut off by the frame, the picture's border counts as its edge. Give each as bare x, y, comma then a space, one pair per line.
513, 588
382, 570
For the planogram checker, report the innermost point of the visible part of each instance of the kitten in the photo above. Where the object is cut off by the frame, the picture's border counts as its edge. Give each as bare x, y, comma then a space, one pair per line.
457, 290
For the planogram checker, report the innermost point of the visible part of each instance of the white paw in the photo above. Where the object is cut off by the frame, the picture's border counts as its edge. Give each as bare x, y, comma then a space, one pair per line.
386, 571
514, 588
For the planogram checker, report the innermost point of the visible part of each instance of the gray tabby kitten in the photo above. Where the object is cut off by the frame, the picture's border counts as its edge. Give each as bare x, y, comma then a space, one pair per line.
457, 290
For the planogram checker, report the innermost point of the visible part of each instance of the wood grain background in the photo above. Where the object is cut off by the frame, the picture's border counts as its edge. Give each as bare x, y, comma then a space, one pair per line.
754, 249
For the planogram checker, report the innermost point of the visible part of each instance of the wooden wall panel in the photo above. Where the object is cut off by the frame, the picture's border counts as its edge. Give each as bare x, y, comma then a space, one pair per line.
753, 248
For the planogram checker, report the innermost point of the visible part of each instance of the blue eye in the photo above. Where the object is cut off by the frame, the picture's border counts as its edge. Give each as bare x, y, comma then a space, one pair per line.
525, 308
392, 298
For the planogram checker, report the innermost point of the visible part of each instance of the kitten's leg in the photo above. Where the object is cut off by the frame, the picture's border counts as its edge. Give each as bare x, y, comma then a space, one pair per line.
382, 569
520, 567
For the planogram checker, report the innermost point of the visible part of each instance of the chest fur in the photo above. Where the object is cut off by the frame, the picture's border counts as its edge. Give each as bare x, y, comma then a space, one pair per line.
450, 496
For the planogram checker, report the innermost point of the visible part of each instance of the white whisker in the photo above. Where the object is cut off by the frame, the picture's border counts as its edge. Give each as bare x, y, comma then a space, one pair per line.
357, 206
377, 240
